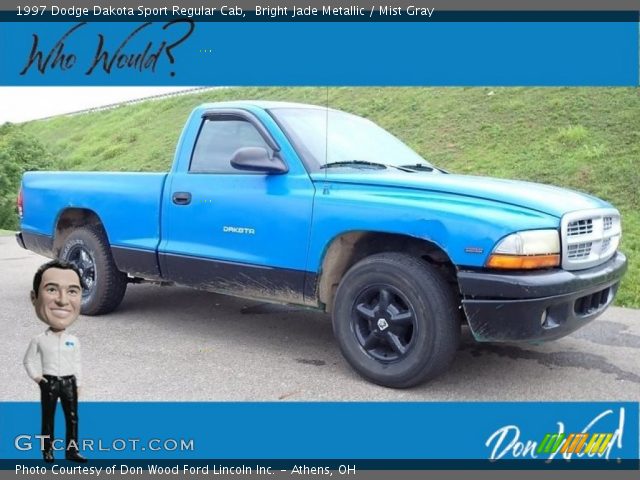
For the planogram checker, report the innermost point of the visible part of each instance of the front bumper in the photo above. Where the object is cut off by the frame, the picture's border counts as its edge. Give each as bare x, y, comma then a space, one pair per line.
537, 306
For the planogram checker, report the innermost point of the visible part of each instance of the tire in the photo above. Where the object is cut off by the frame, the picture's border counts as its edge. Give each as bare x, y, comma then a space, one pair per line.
396, 320
103, 285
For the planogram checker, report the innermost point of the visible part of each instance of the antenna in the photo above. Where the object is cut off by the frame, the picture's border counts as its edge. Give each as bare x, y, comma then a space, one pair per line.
326, 134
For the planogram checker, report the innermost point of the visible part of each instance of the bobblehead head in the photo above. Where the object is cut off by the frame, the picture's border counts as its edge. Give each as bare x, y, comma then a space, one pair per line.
58, 297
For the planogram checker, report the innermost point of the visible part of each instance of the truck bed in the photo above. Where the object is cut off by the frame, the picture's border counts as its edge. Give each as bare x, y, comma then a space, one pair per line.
127, 203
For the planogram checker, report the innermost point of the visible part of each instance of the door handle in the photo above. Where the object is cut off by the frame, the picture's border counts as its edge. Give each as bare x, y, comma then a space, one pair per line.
181, 198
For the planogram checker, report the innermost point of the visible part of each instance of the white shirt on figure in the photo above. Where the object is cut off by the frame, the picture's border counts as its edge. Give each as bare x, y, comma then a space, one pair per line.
53, 354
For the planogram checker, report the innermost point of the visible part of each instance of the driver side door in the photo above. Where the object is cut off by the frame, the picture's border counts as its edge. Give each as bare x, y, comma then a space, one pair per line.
237, 231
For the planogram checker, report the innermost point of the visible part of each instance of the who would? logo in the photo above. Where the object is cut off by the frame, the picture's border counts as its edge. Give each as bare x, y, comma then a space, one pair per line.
575, 443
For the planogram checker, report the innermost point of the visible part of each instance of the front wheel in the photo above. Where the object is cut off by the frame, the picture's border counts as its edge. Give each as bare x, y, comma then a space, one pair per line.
103, 285
396, 320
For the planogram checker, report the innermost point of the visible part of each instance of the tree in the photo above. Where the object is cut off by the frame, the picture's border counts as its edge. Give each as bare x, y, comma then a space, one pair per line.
19, 153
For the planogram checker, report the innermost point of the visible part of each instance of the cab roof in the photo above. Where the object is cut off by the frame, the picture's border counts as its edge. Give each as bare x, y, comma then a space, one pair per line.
263, 104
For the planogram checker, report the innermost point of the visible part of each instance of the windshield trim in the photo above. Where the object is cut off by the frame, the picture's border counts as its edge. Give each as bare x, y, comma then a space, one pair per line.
305, 156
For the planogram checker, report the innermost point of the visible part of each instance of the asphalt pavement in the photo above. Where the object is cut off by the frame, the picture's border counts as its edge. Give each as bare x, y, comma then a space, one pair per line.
179, 344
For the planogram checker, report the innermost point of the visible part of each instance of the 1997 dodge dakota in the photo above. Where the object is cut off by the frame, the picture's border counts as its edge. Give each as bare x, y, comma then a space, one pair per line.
306, 205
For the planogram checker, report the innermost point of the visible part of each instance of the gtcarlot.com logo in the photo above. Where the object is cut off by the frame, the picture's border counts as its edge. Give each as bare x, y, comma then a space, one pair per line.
37, 442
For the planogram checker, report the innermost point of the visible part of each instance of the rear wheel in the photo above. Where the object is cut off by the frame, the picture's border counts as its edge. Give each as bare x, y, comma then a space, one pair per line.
396, 320
103, 285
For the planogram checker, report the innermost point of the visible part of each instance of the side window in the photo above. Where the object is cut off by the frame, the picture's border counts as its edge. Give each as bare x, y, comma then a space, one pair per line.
218, 141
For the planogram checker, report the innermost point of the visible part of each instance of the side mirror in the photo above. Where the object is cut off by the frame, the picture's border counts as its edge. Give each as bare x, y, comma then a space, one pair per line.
256, 159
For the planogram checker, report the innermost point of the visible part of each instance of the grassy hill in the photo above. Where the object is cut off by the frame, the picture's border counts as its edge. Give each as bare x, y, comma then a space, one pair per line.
583, 138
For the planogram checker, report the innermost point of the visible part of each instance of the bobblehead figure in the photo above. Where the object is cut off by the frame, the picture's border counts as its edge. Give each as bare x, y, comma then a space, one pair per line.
53, 357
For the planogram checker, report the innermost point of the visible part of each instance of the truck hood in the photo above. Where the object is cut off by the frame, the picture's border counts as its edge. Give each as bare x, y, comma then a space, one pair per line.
543, 198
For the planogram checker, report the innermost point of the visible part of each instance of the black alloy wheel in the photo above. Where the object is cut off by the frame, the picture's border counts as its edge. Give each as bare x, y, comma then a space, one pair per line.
396, 319
82, 258
384, 323
103, 285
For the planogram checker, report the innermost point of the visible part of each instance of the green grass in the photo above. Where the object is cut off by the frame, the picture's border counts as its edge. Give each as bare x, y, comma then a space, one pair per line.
5, 233
582, 138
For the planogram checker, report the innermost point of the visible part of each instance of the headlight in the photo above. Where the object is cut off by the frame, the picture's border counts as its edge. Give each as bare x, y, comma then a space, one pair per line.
527, 250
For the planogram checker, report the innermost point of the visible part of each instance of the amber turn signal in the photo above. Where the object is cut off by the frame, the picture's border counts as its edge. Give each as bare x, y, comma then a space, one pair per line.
523, 262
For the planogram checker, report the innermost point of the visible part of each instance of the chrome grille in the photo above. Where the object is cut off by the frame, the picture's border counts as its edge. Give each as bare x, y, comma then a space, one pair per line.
589, 237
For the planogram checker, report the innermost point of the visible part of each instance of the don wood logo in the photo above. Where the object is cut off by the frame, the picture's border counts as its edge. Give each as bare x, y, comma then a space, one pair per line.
591, 442
575, 443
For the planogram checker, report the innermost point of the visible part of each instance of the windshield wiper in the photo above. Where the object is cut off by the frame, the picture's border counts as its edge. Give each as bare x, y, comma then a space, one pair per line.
418, 167
347, 163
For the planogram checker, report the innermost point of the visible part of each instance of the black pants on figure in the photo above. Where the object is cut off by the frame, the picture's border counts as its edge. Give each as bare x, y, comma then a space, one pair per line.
65, 389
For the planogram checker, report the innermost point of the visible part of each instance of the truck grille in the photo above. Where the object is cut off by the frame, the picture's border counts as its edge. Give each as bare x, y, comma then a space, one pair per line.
589, 238
593, 303
580, 227
579, 250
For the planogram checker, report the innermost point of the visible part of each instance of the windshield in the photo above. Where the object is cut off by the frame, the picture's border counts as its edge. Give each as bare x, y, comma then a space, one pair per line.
325, 137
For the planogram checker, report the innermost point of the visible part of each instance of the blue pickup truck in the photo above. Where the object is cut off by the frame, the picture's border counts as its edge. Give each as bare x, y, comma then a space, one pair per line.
311, 206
